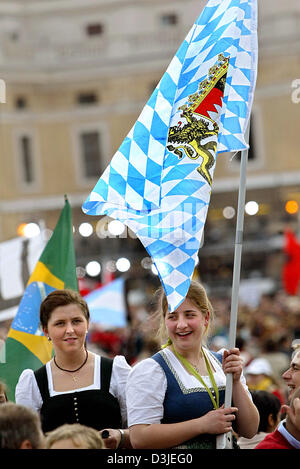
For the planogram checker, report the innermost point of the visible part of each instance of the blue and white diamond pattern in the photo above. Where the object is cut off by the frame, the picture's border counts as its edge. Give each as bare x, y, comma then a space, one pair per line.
161, 198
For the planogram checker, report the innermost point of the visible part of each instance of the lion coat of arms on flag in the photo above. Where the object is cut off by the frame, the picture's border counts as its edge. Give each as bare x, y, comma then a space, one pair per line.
197, 135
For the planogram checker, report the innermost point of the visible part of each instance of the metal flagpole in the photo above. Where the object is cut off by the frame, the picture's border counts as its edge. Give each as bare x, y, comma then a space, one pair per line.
224, 441
2, 91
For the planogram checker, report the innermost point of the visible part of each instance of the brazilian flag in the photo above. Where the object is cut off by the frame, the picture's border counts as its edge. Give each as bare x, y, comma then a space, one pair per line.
26, 346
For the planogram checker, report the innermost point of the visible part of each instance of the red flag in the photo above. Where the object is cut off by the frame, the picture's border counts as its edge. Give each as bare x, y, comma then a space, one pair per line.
291, 269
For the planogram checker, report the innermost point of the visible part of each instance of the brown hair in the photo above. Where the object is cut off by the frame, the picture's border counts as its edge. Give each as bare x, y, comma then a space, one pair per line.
81, 436
3, 390
18, 424
61, 298
196, 294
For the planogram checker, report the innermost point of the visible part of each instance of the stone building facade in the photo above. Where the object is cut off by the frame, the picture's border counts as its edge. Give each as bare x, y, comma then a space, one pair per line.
78, 74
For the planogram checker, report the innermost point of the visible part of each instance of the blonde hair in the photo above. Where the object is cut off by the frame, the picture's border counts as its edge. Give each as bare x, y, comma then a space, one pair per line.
196, 294
81, 436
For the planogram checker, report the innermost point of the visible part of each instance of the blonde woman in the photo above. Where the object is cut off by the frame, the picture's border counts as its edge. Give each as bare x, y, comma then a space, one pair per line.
175, 398
74, 436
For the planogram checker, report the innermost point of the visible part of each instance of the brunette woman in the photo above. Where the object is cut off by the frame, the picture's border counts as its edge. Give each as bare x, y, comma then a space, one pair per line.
76, 386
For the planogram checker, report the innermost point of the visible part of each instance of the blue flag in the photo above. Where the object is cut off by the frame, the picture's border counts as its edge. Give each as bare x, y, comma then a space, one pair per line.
107, 305
159, 182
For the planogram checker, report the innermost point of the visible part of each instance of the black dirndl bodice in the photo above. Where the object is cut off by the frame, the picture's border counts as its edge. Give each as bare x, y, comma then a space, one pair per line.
95, 408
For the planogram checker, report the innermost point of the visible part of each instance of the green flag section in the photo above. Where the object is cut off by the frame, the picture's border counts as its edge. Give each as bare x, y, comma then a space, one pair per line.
26, 346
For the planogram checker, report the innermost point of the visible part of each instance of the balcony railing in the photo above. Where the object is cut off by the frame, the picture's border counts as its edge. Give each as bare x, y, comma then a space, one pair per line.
100, 51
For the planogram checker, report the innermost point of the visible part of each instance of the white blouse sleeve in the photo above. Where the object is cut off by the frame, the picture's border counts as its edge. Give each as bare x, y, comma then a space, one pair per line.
27, 391
145, 393
118, 382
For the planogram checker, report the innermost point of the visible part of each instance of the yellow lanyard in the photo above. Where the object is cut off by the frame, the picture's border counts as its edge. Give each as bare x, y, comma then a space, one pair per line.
191, 369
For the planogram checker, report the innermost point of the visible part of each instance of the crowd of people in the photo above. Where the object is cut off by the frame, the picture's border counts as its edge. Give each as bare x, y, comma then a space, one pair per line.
160, 390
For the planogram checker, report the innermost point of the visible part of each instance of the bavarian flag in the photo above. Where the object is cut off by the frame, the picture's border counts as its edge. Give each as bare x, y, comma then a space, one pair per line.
26, 346
159, 181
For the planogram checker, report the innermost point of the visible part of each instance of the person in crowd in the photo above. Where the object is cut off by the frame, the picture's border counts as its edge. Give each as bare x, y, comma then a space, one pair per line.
3, 391
259, 377
245, 354
75, 386
278, 360
287, 434
175, 398
291, 376
74, 436
20, 428
269, 408
296, 344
